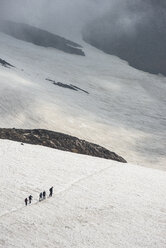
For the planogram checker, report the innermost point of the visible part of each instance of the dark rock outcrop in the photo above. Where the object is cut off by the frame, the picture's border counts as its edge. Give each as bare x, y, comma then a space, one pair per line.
5, 64
58, 141
39, 37
68, 86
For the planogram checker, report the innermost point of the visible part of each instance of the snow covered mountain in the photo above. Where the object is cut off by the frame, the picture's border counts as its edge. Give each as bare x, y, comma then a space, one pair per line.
39, 37
124, 110
98, 97
96, 202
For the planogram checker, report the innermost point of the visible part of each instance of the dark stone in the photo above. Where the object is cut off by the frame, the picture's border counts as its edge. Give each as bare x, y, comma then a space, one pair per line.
59, 141
68, 86
39, 37
5, 64
77, 88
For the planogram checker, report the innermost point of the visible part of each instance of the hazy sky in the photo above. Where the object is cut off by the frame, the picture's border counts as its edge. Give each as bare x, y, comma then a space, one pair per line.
69, 16
107, 24
58, 15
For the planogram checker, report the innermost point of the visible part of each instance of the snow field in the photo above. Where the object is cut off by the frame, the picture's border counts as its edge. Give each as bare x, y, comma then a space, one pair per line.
96, 202
125, 110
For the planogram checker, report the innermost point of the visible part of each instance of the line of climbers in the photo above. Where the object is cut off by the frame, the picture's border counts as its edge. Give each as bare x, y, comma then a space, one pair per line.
42, 196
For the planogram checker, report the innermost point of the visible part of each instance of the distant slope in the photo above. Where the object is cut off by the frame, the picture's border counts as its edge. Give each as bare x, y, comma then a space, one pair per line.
124, 110
97, 203
39, 37
140, 38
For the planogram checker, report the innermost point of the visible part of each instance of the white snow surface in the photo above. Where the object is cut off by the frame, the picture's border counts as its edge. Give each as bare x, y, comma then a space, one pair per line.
96, 202
125, 110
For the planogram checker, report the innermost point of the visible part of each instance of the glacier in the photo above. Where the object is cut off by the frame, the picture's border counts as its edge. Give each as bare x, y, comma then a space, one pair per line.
96, 203
124, 110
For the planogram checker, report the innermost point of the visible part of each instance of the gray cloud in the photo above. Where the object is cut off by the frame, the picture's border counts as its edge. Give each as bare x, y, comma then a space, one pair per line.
72, 15
134, 31
61, 16
105, 24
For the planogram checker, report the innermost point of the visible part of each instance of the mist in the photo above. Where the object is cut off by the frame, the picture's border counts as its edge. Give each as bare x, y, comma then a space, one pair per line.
132, 30
77, 13
72, 16
59, 16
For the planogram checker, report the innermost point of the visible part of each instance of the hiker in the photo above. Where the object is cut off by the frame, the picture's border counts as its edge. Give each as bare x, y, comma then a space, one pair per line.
40, 196
26, 201
30, 199
51, 191
44, 195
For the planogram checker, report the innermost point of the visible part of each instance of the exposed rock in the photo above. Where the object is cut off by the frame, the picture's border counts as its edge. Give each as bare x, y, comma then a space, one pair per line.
39, 37
58, 141
5, 64
68, 86
77, 88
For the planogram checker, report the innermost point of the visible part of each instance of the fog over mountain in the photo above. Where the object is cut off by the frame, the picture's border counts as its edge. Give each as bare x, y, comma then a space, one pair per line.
135, 32
132, 30
60, 16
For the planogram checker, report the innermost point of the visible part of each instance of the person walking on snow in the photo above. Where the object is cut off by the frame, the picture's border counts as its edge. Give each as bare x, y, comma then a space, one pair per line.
44, 195
40, 196
51, 191
30, 199
26, 201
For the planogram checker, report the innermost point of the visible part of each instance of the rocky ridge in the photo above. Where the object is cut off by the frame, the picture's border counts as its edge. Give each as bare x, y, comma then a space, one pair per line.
40, 37
59, 141
5, 63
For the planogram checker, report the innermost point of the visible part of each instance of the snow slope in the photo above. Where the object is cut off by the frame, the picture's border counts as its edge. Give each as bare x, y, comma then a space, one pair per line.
125, 110
96, 203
